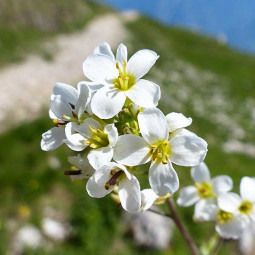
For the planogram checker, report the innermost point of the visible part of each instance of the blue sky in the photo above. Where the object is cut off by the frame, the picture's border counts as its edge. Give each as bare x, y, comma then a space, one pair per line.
232, 19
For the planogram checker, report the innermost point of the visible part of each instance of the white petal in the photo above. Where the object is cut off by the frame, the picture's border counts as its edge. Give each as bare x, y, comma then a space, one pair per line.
52, 115
107, 102
148, 198
141, 62
234, 228
121, 53
181, 132
163, 178
144, 93
74, 140
221, 184
229, 202
96, 184
188, 196
93, 86
112, 132
104, 49
59, 106
99, 68
100, 157
68, 92
188, 150
53, 138
129, 193
200, 173
153, 125
84, 127
205, 211
252, 215
83, 100
247, 188
131, 150
177, 120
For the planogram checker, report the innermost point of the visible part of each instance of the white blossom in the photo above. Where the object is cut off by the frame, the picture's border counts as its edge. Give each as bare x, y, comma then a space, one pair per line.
204, 188
91, 133
67, 104
232, 213
155, 146
121, 79
244, 204
107, 177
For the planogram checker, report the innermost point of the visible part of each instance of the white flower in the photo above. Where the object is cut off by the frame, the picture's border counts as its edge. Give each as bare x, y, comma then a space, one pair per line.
244, 204
66, 104
232, 216
27, 236
205, 187
55, 230
83, 169
104, 180
69, 104
91, 133
228, 225
154, 145
121, 79
233, 213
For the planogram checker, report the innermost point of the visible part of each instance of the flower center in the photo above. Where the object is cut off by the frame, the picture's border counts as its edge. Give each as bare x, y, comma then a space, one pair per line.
246, 207
160, 152
204, 189
224, 216
98, 139
115, 175
125, 80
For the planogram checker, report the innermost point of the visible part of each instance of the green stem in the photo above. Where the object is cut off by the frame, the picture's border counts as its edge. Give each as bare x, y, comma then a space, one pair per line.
217, 246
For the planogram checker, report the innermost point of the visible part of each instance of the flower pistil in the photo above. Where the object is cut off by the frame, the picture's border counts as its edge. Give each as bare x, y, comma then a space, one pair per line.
204, 189
98, 139
224, 216
246, 207
125, 80
160, 152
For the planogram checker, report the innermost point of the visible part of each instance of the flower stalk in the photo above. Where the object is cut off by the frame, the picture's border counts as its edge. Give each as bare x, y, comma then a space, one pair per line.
183, 230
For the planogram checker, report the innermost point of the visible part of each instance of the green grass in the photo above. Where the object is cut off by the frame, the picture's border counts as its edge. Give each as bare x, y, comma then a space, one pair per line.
25, 24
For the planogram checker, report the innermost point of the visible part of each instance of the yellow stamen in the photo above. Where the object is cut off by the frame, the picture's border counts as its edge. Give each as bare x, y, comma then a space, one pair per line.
125, 80
246, 207
204, 189
224, 216
160, 152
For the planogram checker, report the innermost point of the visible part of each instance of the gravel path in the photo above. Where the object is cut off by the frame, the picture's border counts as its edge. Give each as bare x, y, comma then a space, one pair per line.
25, 87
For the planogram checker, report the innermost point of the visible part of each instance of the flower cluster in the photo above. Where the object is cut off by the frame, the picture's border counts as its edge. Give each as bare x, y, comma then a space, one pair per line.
214, 201
113, 118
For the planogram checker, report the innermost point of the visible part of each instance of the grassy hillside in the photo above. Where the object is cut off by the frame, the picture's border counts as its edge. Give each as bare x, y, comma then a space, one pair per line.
199, 77
24, 24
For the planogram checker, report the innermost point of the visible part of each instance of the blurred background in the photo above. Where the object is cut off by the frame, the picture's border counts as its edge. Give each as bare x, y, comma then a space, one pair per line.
205, 70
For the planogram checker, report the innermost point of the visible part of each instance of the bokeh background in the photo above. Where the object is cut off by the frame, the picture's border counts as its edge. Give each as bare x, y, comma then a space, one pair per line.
205, 70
